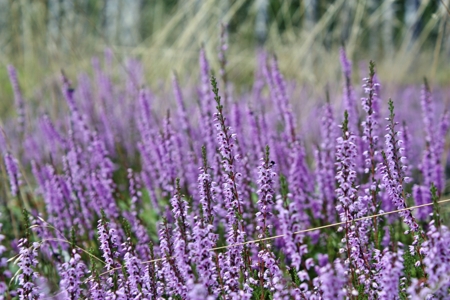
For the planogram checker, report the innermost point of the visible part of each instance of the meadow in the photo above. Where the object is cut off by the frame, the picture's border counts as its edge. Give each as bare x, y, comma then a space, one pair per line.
232, 170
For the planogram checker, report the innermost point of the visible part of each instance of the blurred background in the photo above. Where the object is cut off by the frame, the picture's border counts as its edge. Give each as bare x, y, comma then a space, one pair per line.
409, 39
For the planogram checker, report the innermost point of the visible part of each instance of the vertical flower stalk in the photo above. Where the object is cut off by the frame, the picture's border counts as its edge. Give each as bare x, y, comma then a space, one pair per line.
12, 168
349, 206
207, 190
133, 267
174, 281
389, 270
270, 275
235, 228
393, 170
27, 261
4, 273
325, 170
72, 273
18, 99
182, 232
204, 239
437, 265
371, 153
150, 280
109, 243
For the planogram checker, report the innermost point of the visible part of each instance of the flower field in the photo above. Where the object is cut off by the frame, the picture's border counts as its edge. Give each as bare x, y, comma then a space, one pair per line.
210, 192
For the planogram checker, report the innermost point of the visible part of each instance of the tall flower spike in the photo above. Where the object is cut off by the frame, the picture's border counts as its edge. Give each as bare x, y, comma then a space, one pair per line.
20, 105
4, 273
12, 168
371, 155
72, 273
181, 232
393, 169
437, 265
235, 229
174, 281
324, 157
389, 269
207, 190
350, 204
265, 192
270, 275
27, 261
204, 240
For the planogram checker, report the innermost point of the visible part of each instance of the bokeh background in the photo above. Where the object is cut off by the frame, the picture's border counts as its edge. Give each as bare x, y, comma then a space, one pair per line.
409, 39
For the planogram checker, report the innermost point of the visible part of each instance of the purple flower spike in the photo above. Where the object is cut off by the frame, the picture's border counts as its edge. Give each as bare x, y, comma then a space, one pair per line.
27, 261
393, 169
12, 167
20, 104
72, 273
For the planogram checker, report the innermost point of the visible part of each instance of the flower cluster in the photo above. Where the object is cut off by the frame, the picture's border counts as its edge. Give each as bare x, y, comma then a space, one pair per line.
259, 197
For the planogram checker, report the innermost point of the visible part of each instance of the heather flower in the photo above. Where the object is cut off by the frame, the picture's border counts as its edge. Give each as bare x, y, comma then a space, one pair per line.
27, 261
324, 157
273, 277
18, 99
235, 230
206, 107
393, 169
300, 187
331, 279
109, 243
282, 100
437, 263
265, 183
12, 168
351, 206
72, 273
389, 269
207, 190
204, 239
269, 269
431, 167
4, 274
151, 280
370, 126
422, 195
287, 226
133, 268
181, 233
175, 283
